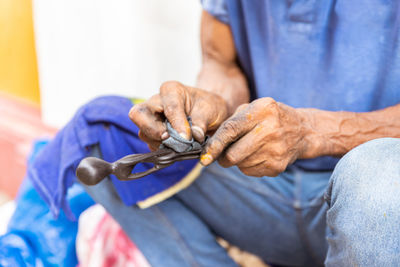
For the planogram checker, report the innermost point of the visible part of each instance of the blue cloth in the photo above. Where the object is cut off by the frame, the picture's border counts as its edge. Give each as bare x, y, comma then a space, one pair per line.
331, 55
105, 122
34, 237
284, 220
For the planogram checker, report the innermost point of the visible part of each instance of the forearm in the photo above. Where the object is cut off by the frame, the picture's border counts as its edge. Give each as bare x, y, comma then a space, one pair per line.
335, 133
227, 81
220, 73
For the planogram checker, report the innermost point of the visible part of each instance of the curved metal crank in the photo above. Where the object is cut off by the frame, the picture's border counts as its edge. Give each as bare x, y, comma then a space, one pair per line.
93, 170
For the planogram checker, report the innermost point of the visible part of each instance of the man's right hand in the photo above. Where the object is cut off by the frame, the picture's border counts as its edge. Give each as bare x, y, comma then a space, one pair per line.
175, 102
219, 74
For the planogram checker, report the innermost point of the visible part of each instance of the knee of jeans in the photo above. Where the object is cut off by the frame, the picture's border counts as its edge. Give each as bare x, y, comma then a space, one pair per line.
367, 168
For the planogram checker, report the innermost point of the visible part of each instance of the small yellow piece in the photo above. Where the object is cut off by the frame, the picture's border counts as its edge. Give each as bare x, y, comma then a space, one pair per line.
206, 159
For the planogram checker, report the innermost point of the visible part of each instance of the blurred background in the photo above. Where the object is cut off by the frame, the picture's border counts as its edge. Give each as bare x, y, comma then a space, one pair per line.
56, 55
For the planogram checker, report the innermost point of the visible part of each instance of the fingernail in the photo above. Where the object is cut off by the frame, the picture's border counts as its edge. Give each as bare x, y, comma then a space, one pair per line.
164, 136
206, 159
183, 135
198, 133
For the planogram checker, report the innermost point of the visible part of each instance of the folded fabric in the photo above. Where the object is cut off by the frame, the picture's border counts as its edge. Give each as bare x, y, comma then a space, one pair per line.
105, 122
177, 142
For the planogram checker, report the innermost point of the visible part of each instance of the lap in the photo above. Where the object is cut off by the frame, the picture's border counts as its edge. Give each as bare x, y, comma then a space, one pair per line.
280, 219
266, 216
364, 200
168, 234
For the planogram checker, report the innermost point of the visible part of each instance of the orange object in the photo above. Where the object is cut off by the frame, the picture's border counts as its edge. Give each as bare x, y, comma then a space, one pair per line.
20, 126
18, 68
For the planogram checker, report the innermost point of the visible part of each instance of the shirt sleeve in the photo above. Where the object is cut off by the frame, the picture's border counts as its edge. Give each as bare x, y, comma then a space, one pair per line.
217, 8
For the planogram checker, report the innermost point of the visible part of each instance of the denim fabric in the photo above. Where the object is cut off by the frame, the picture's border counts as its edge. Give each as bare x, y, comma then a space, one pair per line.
364, 200
282, 219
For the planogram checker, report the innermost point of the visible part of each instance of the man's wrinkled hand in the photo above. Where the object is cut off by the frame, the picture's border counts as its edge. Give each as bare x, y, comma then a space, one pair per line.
175, 102
261, 138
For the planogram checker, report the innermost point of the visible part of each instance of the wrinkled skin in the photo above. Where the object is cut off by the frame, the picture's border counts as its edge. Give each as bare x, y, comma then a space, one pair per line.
261, 138
175, 102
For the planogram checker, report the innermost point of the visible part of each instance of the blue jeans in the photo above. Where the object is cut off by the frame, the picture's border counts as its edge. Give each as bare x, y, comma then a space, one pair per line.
283, 220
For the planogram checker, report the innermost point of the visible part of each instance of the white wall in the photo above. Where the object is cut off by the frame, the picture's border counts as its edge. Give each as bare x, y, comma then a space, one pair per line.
87, 48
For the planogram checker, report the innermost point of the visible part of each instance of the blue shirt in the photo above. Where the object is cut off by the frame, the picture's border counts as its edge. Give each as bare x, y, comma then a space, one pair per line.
331, 55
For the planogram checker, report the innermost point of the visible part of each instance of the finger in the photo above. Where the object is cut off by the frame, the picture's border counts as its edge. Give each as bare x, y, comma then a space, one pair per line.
253, 160
260, 170
199, 124
209, 127
229, 131
247, 145
271, 167
198, 133
148, 117
173, 97
153, 145
153, 105
274, 153
206, 118
240, 109
148, 122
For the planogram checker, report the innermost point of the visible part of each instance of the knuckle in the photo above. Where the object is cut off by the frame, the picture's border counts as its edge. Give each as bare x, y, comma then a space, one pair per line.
138, 113
251, 172
169, 85
132, 113
155, 100
229, 128
280, 151
214, 147
268, 100
242, 107
278, 167
231, 158
215, 144
135, 110
267, 103
171, 108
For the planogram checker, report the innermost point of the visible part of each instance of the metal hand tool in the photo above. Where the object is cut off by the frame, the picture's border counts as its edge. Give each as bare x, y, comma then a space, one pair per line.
92, 170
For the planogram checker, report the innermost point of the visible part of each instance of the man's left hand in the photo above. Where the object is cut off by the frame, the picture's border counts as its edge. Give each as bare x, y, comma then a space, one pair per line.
261, 138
